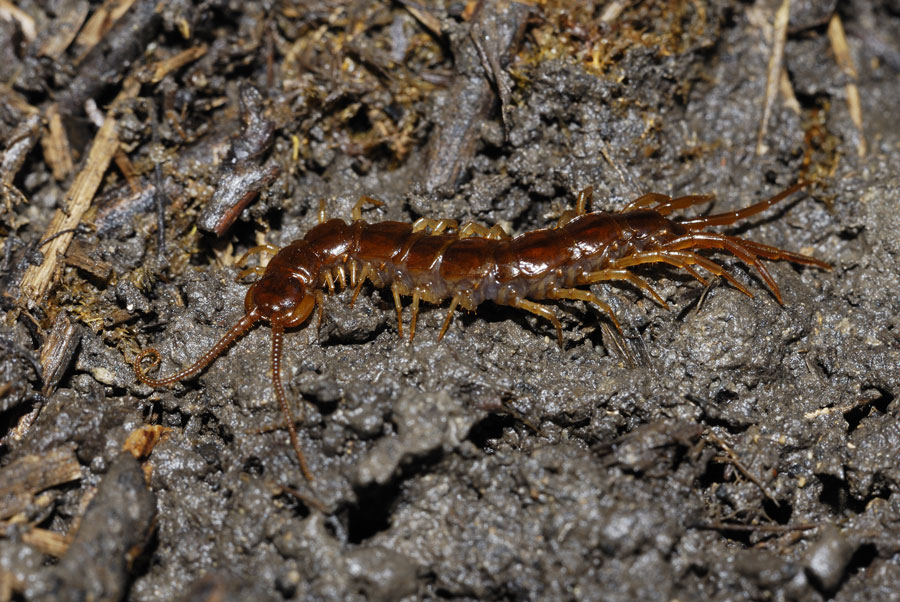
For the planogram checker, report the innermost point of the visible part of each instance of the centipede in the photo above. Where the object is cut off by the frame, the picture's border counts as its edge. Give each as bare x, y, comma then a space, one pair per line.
434, 260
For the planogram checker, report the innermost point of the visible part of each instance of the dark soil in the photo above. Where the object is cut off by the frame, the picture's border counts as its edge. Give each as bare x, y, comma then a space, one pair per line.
727, 448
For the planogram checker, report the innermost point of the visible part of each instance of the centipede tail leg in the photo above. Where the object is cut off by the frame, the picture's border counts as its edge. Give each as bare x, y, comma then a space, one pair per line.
670, 205
712, 240
684, 260
730, 217
277, 341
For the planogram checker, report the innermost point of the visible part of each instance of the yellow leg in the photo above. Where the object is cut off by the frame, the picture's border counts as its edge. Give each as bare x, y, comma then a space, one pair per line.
495, 232
362, 279
396, 291
341, 276
364, 200
542, 311
621, 274
258, 270
449, 317
329, 282
436, 226
415, 313
270, 249
588, 297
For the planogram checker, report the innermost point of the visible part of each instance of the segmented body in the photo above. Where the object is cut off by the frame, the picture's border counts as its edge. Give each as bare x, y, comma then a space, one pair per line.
436, 260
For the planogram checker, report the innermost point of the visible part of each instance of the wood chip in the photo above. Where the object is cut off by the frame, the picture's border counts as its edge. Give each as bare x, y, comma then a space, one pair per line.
65, 29
141, 441
29, 475
46, 542
100, 22
11, 12
38, 279
164, 67
56, 145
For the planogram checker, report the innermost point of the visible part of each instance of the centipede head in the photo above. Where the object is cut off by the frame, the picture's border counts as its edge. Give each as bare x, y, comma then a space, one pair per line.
280, 299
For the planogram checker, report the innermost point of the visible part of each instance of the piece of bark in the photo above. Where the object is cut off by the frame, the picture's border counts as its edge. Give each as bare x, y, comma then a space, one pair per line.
481, 56
112, 533
97, 270
58, 351
244, 173
18, 145
29, 475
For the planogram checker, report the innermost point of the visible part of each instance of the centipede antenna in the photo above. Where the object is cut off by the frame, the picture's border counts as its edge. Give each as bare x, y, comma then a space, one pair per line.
729, 217
243, 325
277, 340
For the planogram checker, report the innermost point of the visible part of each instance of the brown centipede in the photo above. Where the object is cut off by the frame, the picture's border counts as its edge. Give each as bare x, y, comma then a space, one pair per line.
432, 260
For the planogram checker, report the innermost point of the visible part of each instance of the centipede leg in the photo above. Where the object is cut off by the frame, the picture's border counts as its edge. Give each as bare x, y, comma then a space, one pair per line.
495, 232
362, 279
415, 314
258, 270
341, 276
645, 201
323, 217
542, 311
622, 274
320, 301
329, 282
585, 197
453, 303
364, 200
396, 291
670, 205
436, 226
587, 297
270, 249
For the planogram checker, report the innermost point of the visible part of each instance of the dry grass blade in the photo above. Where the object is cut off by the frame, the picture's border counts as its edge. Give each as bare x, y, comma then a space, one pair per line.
39, 278
773, 75
845, 62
